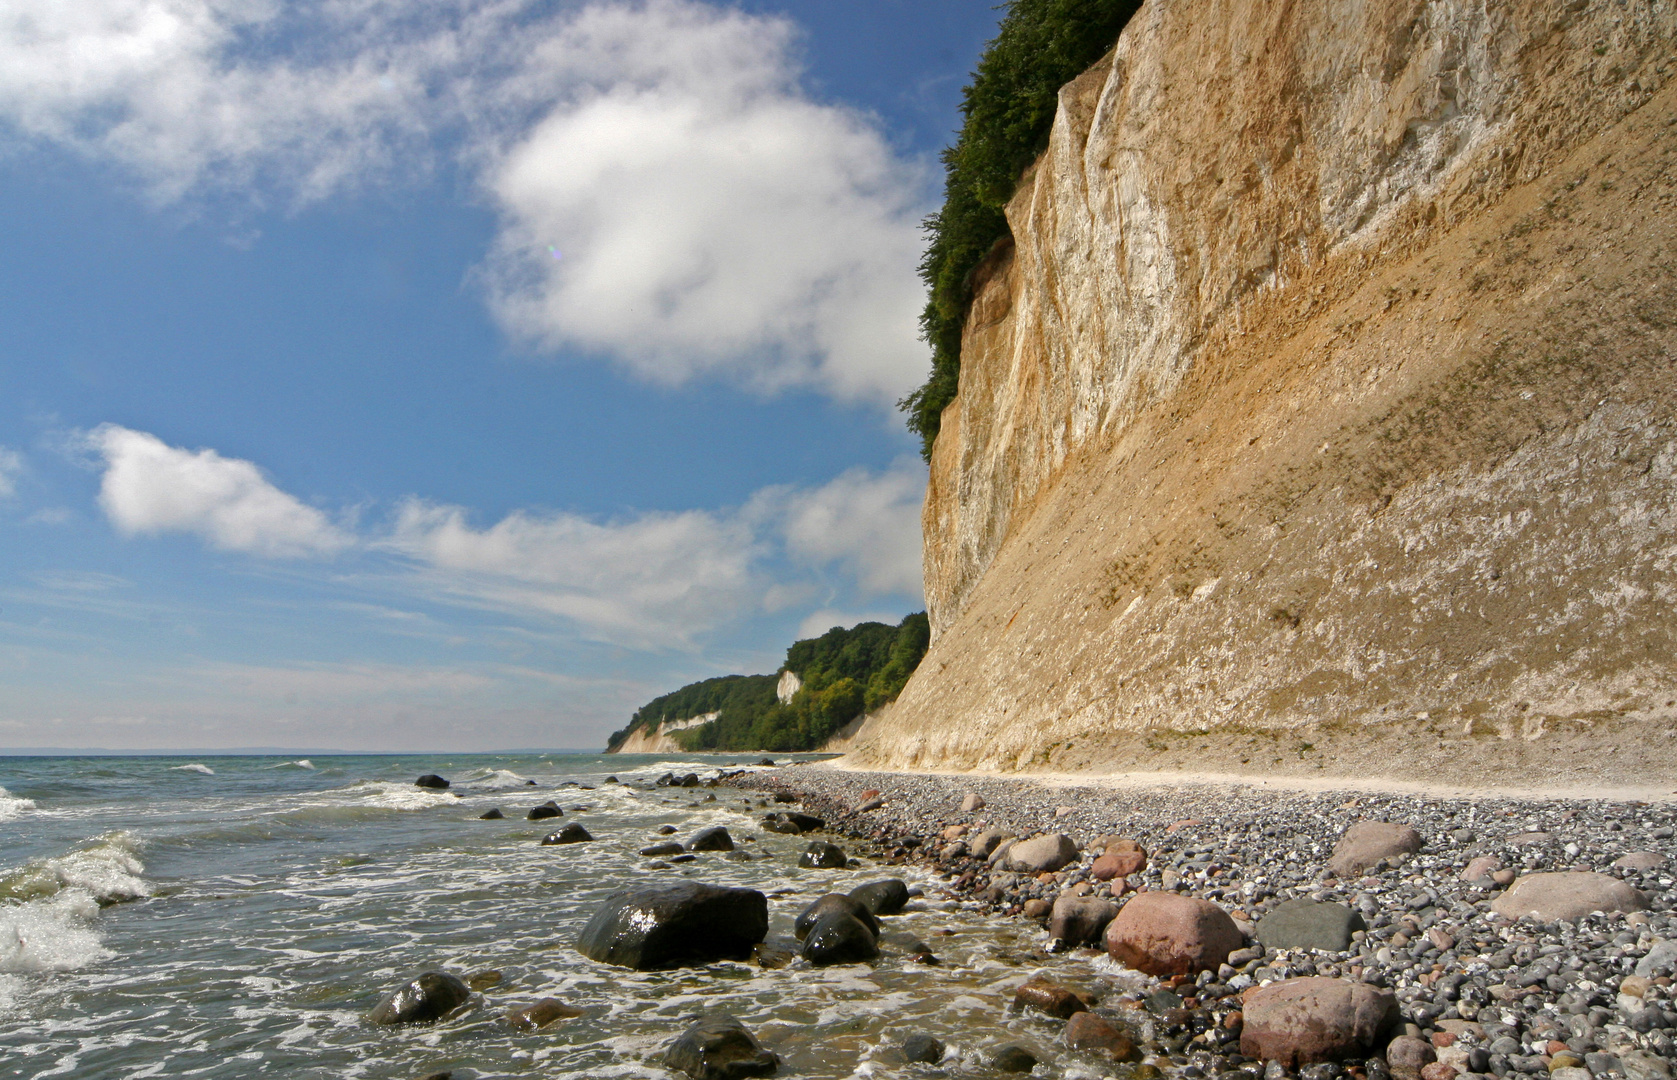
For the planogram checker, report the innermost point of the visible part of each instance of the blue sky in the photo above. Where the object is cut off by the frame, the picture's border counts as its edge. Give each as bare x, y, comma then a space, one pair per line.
455, 375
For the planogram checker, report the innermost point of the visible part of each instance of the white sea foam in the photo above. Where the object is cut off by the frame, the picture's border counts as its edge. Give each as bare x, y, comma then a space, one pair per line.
12, 806
105, 870
398, 796
495, 779
300, 763
194, 767
52, 934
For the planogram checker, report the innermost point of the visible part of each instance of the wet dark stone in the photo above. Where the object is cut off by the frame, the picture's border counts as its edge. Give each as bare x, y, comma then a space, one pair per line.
666, 830
923, 1049
715, 838
573, 833
431, 780
690, 780
828, 904
429, 997
492, 814
822, 856
767, 763
785, 796
719, 1048
791, 822
839, 937
545, 810
684, 858
1013, 1059
611, 780
675, 925
668, 847
882, 897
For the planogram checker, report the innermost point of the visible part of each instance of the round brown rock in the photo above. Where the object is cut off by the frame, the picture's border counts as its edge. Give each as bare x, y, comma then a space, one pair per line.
1304, 1021
1086, 1031
1568, 896
1406, 1056
1367, 842
1166, 934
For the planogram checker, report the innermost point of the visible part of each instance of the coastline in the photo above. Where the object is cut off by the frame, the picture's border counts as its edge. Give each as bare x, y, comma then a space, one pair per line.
1514, 992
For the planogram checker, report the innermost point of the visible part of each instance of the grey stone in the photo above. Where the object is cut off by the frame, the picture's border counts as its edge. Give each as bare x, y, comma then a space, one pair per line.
1307, 924
827, 905
1040, 854
1567, 896
1080, 920
720, 1048
923, 1049
885, 897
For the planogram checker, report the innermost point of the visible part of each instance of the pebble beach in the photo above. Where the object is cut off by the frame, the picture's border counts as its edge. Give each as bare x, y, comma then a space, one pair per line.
1429, 927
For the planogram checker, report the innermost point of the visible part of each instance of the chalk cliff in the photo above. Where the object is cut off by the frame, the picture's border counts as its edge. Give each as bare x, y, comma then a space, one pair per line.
1320, 416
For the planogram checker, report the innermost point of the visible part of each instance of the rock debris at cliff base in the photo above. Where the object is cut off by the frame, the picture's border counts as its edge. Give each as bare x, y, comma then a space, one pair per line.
1479, 992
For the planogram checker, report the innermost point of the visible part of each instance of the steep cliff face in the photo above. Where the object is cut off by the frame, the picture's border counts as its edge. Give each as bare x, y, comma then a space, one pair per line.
1320, 416
659, 739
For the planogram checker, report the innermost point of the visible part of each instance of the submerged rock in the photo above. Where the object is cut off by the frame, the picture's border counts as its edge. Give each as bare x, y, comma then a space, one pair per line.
922, 1049
827, 905
1049, 998
838, 937
1012, 1058
823, 856
719, 1048
547, 809
431, 780
542, 1013
668, 847
492, 814
715, 838
675, 925
1086, 1031
573, 833
432, 996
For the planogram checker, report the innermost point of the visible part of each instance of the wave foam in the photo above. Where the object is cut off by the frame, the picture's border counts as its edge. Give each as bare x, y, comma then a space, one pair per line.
193, 767
391, 795
55, 934
495, 779
105, 871
300, 763
12, 806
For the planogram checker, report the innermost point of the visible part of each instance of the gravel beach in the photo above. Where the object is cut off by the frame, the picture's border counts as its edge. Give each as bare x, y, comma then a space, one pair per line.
1482, 988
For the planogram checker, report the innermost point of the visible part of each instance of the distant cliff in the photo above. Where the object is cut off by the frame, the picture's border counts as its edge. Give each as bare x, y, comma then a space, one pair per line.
1321, 414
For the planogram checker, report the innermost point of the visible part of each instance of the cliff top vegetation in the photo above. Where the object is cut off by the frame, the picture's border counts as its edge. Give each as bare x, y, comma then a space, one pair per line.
845, 673
1007, 111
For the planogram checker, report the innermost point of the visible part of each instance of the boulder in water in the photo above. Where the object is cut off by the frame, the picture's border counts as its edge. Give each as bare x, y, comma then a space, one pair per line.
492, 814
822, 856
715, 838
545, 810
432, 996
675, 925
828, 904
542, 1013
719, 1048
658, 851
923, 1049
431, 780
882, 897
839, 937
573, 833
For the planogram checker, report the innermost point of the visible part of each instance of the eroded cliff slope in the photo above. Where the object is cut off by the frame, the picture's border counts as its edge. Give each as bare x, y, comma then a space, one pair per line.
1320, 417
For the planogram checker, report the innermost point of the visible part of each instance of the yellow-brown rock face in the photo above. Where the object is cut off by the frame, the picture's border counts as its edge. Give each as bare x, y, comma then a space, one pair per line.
1323, 416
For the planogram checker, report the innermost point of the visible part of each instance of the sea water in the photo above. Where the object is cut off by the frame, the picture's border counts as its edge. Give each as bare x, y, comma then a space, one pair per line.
239, 916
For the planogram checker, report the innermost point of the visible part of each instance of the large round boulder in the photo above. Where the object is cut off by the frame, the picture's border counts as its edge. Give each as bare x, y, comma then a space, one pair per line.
1304, 1021
827, 905
1567, 896
1367, 842
719, 1048
682, 923
1307, 924
1166, 934
839, 937
882, 897
1040, 854
432, 996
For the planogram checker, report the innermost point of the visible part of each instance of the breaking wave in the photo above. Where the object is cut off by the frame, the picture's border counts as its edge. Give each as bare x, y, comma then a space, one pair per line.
12, 806
193, 767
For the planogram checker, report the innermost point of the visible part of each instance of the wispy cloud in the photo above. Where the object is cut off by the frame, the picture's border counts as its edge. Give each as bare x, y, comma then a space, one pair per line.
11, 467
150, 487
653, 580
668, 194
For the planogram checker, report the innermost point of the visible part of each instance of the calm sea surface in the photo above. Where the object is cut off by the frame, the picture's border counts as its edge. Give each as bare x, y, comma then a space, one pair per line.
238, 916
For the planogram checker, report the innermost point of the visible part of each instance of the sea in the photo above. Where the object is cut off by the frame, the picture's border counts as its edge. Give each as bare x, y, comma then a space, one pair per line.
240, 916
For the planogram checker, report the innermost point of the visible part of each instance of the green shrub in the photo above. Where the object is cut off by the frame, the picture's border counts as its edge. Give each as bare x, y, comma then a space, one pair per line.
1007, 111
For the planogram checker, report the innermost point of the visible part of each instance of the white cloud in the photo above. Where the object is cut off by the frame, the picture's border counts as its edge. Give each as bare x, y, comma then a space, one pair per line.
150, 487
868, 523
712, 218
817, 623
709, 216
11, 467
650, 581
